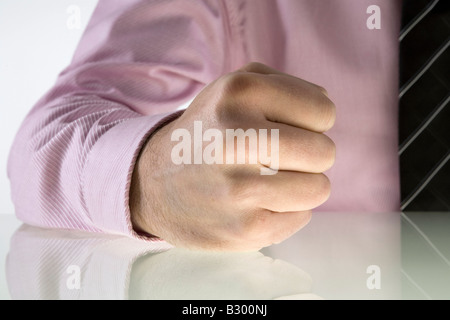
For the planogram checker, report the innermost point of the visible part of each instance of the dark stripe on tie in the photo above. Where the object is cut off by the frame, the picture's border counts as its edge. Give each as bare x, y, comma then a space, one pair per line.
424, 40
424, 112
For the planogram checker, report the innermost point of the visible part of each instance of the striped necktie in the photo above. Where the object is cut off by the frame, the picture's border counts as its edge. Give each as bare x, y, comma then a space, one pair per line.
424, 110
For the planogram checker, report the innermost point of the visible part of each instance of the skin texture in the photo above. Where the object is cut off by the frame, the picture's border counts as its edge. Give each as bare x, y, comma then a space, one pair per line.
233, 206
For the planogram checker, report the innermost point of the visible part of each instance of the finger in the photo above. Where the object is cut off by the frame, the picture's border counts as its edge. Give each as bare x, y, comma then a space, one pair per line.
297, 150
266, 227
280, 147
285, 224
260, 68
281, 99
290, 191
295, 102
283, 192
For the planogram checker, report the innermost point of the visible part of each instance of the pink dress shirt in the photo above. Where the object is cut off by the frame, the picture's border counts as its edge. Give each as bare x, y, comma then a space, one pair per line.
70, 165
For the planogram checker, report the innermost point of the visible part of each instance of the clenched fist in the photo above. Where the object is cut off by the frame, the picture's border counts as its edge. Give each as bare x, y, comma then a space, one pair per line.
232, 206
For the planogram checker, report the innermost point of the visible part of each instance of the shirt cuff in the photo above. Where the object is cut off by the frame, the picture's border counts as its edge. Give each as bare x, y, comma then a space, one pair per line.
108, 172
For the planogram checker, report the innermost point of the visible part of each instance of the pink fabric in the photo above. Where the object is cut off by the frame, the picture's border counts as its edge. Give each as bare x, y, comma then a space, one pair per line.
71, 162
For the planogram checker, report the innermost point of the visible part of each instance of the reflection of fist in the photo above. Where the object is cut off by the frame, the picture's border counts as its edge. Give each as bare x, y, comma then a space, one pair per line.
232, 206
183, 274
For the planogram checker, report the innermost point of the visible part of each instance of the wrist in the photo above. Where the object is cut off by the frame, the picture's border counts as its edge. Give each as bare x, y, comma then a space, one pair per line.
144, 198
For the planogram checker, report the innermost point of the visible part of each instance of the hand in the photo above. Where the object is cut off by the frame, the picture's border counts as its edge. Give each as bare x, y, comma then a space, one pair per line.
234, 206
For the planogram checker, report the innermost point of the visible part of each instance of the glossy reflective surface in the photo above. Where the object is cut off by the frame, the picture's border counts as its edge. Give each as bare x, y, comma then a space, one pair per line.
337, 256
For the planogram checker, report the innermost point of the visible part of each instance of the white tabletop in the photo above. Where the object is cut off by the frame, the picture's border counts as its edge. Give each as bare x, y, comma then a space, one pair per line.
337, 256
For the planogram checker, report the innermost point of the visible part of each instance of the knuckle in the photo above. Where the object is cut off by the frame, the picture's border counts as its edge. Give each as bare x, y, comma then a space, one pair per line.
240, 185
253, 226
236, 90
238, 84
253, 67
323, 91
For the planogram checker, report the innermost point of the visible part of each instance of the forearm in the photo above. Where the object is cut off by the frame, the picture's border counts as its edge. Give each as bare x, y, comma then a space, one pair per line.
71, 163
72, 160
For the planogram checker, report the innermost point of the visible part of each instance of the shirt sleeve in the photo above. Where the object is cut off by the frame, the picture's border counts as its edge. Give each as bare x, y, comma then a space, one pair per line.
71, 162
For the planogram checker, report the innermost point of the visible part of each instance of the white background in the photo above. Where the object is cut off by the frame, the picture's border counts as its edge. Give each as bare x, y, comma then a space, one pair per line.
37, 41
